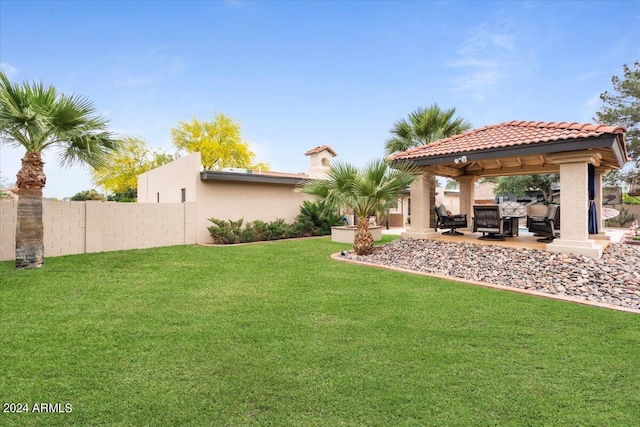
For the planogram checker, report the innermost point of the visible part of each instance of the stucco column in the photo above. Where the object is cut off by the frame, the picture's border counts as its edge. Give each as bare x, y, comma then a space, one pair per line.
574, 205
421, 209
467, 194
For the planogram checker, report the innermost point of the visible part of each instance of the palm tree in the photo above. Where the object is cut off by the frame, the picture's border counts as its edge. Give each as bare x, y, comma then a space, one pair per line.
425, 125
367, 191
38, 118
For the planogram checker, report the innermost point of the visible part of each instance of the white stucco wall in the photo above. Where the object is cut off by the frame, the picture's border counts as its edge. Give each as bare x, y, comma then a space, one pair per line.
250, 201
166, 182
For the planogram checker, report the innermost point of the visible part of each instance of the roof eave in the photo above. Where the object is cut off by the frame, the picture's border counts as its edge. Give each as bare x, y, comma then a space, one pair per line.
609, 141
249, 177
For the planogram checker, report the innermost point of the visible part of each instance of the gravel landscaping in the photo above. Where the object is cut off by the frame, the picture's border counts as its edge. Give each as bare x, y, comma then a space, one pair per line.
613, 279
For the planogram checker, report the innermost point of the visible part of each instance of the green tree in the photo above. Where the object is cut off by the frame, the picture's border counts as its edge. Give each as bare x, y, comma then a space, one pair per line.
132, 158
367, 191
518, 185
623, 108
423, 126
39, 119
87, 195
452, 184
219, 142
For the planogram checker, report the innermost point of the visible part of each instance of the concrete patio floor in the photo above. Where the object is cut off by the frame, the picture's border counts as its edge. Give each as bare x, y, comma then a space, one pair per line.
525, 239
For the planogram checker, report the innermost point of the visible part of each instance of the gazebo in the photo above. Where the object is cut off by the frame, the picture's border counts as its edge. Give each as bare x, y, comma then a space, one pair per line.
580, 153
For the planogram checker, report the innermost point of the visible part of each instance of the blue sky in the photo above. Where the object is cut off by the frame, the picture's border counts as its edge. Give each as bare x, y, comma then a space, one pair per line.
302, 74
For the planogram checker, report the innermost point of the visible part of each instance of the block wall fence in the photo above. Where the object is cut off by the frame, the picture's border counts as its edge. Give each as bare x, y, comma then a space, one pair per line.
93, 226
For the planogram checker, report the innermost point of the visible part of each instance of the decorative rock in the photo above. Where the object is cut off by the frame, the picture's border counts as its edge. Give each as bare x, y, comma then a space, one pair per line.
542, 271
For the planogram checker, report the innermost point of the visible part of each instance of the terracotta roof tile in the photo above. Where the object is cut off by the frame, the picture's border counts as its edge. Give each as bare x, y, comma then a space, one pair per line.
320, 148
509, 134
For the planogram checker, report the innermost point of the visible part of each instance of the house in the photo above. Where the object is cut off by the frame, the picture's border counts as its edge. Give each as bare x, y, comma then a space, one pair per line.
484, 194
232, 193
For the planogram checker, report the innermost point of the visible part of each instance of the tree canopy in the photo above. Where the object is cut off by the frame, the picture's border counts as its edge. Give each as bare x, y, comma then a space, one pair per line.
37, 118
87, 195
219, 142
518, 185
622, 107
133, 157
424, 125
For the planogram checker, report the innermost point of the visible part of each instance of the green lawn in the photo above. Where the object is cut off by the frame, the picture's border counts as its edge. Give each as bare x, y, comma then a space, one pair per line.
278, 334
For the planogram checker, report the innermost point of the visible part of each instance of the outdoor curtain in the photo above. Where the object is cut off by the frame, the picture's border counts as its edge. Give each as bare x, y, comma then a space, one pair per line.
593, 215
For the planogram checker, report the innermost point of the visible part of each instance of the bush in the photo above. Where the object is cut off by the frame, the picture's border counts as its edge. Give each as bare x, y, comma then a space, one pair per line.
274, 230
87, 195
315, 219
622, 219
630, 200
226, 232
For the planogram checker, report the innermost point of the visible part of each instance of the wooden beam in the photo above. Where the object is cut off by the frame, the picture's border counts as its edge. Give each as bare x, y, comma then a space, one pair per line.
443, 170
515, 170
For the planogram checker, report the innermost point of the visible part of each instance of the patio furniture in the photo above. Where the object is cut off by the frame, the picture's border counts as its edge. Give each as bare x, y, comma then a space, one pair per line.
488, 220
445, 220
544, 226
556, 218
511, 213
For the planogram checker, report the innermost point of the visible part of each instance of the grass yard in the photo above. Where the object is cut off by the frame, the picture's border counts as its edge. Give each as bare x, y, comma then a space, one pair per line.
278, 334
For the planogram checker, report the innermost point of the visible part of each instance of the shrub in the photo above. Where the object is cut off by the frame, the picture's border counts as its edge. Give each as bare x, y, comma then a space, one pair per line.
274, 230
317, 218
622, 219
87, 195
630, 200
226, 232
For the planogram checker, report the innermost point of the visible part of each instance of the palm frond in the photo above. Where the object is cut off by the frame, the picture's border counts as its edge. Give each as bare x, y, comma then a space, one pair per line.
366, 191
36, 117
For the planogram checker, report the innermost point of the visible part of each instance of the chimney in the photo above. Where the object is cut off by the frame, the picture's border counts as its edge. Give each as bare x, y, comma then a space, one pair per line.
320, 161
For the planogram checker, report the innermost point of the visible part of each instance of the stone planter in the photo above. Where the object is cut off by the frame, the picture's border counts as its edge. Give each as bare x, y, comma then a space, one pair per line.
346, 234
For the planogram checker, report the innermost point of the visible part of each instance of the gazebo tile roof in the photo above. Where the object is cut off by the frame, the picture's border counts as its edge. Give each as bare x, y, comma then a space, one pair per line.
509, 134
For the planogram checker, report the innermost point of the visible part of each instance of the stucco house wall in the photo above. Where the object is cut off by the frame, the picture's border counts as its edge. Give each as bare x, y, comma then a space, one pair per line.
231, 195
165, 184
244, 200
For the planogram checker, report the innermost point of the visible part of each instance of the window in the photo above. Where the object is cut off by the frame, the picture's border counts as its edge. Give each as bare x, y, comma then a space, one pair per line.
158, 197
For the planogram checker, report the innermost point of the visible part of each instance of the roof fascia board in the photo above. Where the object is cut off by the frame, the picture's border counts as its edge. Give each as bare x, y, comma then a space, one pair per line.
245, 177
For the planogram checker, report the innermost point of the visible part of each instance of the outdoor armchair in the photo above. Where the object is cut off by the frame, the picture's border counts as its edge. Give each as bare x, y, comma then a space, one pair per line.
556, 218
544, 226
445, 220
487, 219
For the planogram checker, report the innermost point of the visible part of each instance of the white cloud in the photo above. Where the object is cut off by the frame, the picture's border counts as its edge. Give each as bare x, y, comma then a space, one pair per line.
159, 51
8, 69
485, 59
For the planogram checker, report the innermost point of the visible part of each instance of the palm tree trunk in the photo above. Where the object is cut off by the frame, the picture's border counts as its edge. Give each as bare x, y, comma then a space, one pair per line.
29, 228
363, 241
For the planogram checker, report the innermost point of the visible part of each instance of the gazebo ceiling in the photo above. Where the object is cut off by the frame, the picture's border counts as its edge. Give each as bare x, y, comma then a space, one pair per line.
516, 148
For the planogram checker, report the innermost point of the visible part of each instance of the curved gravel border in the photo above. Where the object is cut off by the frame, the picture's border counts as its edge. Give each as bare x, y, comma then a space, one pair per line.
612, 281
